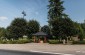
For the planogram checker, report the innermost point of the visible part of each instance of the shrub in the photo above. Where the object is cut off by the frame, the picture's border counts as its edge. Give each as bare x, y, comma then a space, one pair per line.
21, 41
53, 42
78, 42
11, 42
3, 42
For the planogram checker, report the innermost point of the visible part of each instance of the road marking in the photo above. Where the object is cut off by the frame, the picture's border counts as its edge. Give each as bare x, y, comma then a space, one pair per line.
80, 51
50, 52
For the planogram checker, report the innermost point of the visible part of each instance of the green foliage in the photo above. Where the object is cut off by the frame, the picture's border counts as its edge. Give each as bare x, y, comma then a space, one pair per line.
69, 27
80, 31
3, 42
57, 28
83, 28
54, 42
63, 28
17, 28
55, 9
78, 42
12, 42
21, 41
2, 32
32, 27
60, 24
46, 29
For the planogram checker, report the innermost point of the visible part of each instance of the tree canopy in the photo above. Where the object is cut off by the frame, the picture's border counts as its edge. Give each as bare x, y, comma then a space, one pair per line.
46, 29
60, 24
17, 28
2, 32
33, 26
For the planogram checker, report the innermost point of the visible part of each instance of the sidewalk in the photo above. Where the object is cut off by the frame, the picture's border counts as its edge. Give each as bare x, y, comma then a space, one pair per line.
44, 47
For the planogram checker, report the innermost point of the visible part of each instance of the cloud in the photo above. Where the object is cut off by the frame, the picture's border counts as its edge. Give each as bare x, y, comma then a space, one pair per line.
3, 18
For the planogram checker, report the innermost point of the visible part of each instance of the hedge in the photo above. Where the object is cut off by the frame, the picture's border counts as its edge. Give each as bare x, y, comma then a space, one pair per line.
78, 42
15, 41
54, 42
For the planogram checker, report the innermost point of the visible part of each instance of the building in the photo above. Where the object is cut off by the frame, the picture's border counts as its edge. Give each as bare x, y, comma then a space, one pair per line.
40, 37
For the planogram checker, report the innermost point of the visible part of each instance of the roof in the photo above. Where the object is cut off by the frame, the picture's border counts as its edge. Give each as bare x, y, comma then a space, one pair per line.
40, 34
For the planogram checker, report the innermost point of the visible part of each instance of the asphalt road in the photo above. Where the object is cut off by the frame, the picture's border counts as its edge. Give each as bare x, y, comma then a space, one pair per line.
9, 52
74, 52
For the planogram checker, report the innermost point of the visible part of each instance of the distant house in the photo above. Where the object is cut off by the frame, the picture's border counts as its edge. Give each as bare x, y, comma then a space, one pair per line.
40, 37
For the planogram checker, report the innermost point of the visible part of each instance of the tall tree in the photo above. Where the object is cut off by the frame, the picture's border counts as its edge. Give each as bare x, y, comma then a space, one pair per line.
69, 27
45, 29
55, 10
2, 32
60, 24
17, 28
33, 26
83, 27
80, 30
55, 15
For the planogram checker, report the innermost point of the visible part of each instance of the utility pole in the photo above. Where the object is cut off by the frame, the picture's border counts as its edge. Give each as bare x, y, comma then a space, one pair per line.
23, 13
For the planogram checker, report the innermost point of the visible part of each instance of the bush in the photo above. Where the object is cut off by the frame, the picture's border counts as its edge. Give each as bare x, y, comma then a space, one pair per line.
11, 42
53, 42
78, 42
3, 42
21, 41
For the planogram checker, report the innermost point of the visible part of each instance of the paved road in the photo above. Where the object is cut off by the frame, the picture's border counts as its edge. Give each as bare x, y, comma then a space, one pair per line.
9, 52
73, 52
31, 47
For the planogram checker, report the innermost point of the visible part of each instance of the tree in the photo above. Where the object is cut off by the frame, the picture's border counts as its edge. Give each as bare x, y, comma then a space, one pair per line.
81, 33
32, 27
60, 24
69, 27
57, 28
55, 15
55, 10
17, 28
83, 27
46, 29
79, 30
2, 32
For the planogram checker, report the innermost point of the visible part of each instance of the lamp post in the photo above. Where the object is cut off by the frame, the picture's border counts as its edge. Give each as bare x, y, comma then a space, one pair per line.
24, 14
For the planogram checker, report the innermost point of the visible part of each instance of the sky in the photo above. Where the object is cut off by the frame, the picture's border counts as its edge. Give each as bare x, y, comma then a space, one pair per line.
37, 10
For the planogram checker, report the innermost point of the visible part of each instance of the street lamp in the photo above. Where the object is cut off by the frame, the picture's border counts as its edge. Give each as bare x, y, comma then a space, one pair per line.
24, 14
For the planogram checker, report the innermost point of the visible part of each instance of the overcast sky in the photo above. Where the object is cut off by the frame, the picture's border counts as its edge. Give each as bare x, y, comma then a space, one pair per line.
37, 9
